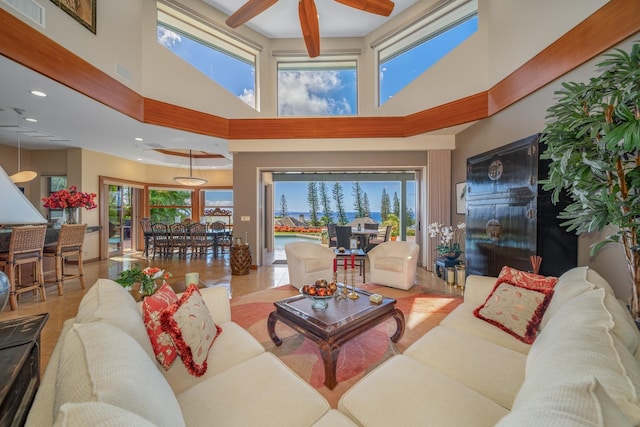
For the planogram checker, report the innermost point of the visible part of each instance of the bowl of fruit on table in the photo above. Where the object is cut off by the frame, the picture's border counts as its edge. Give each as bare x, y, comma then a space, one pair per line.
320, 293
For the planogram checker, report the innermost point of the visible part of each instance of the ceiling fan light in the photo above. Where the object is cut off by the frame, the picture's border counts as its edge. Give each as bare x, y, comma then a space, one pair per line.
190, 181
23, 176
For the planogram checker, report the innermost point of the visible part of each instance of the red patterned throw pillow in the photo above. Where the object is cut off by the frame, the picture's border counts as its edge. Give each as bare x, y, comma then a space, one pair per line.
517, 303
152, 308
189, 323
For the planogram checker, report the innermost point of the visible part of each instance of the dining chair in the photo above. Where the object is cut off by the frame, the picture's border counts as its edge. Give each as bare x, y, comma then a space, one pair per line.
331, 231
147, 232
162, 242
222, 236
343, 236
375, 242
372, 226
180, 237
70, 241
25, 247
200, 241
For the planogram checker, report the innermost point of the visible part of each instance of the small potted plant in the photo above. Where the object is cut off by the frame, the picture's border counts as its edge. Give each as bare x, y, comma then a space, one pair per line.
142, 281
449, 236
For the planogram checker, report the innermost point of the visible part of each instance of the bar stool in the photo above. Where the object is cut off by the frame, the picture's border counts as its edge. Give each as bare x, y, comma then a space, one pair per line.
25, 247
70, 241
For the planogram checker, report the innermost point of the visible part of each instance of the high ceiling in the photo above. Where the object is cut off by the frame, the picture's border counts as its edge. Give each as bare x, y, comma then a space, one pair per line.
68, 119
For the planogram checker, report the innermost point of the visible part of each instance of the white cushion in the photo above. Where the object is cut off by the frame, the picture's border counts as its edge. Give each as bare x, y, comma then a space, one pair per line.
578, 404
109, 302
492, 370
231, 348
405, 392
98, 414
462, 319
313, 265
99, 362
261, 391
334, 418
390, 264
578, 344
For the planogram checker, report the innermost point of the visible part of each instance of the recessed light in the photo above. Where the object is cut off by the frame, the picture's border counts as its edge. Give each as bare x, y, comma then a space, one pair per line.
37, 93
139, 159
138, 139
31, 119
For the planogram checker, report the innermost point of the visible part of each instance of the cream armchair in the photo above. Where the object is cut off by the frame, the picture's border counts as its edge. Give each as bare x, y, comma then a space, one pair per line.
394, 264
308, 262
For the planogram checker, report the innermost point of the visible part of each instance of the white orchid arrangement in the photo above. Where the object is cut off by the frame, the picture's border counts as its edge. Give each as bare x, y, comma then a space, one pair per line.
449, 236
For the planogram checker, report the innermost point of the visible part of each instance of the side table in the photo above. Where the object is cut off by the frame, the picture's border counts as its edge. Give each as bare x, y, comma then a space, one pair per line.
441, 267
19, 367
240, 259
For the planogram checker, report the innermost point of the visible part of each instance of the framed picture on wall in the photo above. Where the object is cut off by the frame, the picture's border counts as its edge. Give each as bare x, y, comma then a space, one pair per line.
461, 198
83, 11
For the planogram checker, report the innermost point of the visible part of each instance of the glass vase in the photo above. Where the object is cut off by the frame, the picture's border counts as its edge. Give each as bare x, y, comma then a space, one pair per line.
71, 215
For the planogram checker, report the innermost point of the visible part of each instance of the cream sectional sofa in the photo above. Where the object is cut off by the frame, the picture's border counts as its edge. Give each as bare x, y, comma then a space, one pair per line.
103, 372
581, 370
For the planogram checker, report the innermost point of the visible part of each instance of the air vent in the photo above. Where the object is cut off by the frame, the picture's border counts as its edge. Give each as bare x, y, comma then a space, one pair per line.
28, 8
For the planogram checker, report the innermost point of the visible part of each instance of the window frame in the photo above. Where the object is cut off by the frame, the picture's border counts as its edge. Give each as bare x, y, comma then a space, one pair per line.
201, 30
436, 20
318, 63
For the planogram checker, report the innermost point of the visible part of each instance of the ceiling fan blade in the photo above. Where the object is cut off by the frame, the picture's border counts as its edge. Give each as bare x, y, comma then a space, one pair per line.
379, 7
309, 25
249, 10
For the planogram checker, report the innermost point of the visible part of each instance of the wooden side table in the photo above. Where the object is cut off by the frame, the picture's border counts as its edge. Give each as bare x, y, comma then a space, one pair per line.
19, 367
240, 259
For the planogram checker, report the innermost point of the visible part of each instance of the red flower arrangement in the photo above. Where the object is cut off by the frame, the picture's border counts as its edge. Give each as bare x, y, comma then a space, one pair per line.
71, 198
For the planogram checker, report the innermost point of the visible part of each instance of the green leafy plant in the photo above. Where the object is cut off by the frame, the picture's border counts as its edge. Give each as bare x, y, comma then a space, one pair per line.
593, 138
394, 222
449, 237
147, 278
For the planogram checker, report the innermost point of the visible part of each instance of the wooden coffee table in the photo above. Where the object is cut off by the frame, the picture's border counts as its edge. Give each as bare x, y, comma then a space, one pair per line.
342, 320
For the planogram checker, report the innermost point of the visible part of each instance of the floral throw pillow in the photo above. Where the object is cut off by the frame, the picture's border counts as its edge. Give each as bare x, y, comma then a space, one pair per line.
192, 329
516, 309
530, 280
152, 308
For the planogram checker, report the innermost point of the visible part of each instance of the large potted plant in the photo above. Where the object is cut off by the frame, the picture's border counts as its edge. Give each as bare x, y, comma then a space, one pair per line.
592, 138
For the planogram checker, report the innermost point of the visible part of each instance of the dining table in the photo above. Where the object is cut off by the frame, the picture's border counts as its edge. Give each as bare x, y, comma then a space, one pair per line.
214, 234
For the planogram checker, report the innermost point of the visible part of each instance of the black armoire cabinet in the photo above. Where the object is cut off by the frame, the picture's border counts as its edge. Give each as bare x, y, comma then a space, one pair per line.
510, 218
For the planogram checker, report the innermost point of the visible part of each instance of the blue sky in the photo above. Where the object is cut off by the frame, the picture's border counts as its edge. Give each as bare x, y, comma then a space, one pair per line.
296, 194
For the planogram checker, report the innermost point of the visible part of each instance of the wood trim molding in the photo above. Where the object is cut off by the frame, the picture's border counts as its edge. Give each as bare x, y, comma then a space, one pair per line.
25, 45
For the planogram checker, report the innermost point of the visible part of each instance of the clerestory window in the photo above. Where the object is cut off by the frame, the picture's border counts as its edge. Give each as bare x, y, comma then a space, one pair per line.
327, 87
409, 52
223, 57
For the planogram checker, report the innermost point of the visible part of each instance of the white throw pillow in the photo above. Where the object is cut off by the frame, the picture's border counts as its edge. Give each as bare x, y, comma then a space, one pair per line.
100, 363
107, 301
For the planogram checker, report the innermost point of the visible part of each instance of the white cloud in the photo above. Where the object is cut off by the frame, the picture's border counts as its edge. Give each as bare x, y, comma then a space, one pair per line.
248, 97
308, 93
168, 38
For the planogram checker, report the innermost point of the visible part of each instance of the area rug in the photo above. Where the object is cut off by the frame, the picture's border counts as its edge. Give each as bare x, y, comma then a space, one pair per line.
363, 353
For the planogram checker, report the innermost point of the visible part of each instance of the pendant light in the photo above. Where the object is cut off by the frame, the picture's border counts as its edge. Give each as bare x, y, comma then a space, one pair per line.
21, 176
190, 180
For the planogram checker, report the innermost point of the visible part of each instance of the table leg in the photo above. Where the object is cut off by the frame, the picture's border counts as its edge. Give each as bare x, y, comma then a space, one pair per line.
330, 360
399, 317
271, 328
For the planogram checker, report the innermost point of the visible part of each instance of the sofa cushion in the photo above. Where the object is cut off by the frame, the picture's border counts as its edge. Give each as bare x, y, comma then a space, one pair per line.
578, 404
100, 363
109, 302
192, 329
405, 392
311, 265
578, 344
390, 263
276, 396
231, 348
462, 319
97, 414
334, 418
161, 341
516, 309
490, 369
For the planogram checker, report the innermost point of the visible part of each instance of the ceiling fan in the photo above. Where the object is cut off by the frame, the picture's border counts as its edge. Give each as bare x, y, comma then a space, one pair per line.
308, 16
